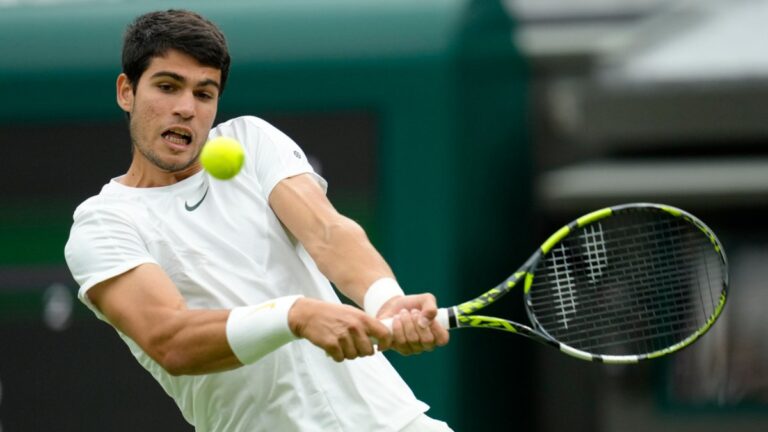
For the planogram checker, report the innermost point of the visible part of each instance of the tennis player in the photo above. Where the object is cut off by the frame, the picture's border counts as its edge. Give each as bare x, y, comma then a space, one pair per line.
221, 288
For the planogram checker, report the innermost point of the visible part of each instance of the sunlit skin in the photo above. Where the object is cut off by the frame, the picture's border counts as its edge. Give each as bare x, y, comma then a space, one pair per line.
175, 94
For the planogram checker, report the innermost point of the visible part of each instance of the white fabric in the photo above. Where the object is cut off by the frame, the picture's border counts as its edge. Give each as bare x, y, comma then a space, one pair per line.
255, 331
424, 423
232, 251
379, 293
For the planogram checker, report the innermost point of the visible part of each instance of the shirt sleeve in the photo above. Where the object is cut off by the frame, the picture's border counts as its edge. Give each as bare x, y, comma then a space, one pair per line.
102, 244
271, 155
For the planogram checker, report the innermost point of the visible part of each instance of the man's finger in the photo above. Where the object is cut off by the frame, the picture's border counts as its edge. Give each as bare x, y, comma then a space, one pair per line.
429, 307
348, 348
335, 353
426, 337
409, 328
380, 334
442, 336
398, 336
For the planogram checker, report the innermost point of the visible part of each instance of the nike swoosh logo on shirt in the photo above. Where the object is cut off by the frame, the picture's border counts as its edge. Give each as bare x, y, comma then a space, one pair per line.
193, 207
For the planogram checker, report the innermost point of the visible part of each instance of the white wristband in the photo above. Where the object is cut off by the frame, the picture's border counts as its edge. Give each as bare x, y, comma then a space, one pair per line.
255, 331
379, 293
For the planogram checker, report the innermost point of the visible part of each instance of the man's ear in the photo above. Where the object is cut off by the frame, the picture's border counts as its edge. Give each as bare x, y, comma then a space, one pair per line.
124, 93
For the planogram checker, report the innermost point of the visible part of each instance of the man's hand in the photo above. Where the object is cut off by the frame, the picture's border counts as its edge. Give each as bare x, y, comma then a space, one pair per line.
414, 329
344, 332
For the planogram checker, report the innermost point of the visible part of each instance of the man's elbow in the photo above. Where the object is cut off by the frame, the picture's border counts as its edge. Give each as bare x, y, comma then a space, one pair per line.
176, 364
342, 234
168, 356
343, 231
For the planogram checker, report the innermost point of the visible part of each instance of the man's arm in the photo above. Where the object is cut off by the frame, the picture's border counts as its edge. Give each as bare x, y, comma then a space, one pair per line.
144, 304
344, 254
338, 244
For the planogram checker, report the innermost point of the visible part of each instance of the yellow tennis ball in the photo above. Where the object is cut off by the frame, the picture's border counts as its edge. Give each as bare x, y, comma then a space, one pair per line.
222, 157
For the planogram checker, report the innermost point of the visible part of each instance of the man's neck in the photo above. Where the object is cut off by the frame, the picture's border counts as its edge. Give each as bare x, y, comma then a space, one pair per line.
142, 176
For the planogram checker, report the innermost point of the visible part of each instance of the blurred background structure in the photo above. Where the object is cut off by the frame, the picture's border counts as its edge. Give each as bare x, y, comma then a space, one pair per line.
459, 133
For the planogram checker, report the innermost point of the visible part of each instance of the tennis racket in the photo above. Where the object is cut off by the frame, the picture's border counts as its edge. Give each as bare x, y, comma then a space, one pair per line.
618, 285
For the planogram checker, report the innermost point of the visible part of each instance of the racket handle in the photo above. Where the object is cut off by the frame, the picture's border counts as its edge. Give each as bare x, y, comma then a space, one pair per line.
441, 318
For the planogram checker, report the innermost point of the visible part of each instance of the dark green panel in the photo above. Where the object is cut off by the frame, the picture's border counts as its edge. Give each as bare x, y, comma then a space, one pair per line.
494, 199
60, 61
33, 233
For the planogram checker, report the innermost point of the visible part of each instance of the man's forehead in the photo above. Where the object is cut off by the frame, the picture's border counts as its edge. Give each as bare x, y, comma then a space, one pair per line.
183, 67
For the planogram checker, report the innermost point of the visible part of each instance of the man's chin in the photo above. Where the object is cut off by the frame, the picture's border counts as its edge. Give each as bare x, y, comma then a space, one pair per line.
169, 164
175, 168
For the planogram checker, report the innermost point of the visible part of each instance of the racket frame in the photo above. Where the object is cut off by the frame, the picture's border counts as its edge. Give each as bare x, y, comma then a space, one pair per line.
462, 315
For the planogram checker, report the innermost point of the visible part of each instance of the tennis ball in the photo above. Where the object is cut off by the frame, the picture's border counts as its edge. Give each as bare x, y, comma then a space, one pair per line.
222, 157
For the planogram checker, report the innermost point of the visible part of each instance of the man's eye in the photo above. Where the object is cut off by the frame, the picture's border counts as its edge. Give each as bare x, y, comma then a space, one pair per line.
165, 87
205, 95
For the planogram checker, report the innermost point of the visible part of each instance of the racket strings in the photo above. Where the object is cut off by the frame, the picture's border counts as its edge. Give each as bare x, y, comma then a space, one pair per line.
614, 314
648, 324
614, 318
619, 287
613, 323
609, 291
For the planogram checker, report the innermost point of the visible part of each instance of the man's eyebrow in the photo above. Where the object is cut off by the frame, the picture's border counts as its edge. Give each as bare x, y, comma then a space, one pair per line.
179, 78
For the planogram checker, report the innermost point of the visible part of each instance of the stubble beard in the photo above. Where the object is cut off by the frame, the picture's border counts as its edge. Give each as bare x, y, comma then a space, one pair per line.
157, 161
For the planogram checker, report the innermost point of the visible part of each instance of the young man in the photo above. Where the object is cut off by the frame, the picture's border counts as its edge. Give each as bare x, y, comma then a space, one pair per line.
221, 288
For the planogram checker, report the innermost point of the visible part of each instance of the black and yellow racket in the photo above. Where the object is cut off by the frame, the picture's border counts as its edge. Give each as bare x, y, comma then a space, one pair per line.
618, 285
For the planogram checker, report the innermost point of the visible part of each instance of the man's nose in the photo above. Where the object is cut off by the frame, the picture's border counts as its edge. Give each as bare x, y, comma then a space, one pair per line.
185, 105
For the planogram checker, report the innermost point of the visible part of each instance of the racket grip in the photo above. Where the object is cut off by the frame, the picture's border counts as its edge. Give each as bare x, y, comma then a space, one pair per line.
441, 318
388, 323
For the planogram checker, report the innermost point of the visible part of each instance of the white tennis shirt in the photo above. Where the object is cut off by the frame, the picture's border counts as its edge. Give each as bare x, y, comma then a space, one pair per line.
223, 247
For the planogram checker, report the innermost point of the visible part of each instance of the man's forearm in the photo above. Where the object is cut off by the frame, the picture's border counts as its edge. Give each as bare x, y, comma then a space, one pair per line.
349, 260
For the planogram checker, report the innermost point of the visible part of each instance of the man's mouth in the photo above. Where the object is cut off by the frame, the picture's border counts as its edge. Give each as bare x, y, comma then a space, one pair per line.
178, 136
